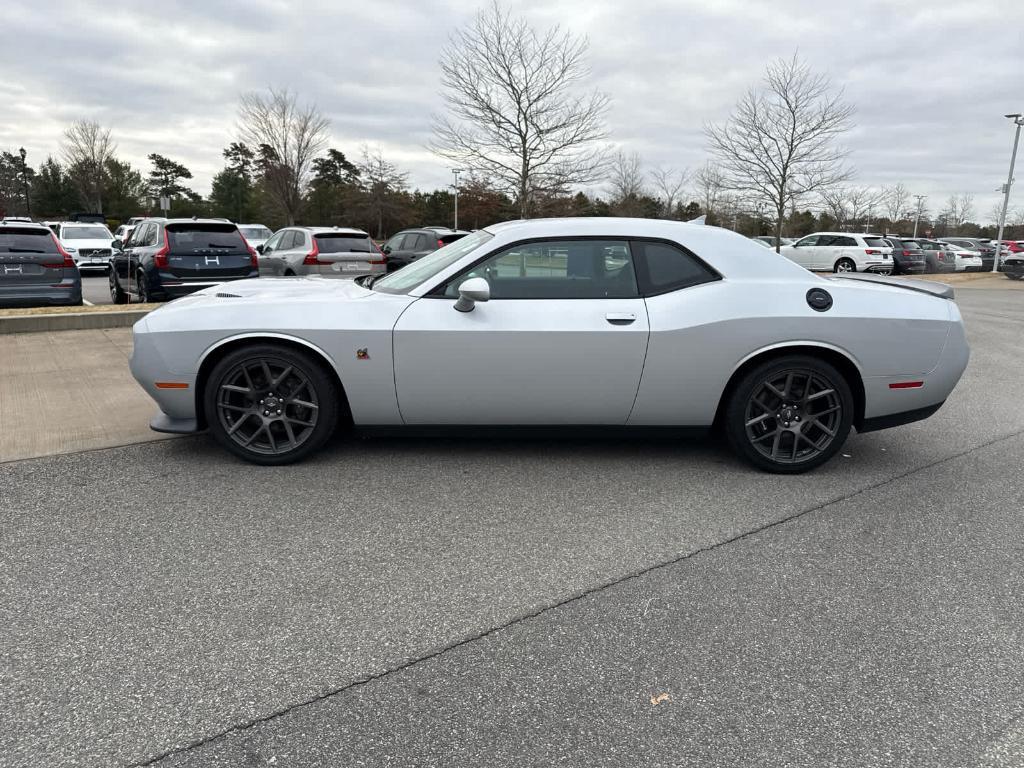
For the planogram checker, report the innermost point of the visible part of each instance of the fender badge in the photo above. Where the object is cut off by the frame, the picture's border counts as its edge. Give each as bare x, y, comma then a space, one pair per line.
362, 354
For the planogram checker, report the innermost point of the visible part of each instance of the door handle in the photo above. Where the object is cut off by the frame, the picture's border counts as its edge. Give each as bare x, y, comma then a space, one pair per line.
620, 318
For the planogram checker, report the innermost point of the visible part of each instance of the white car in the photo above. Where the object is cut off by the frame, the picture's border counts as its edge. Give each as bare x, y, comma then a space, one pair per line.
965, 260
122, 232
566, 322
255, 234
841, 252
88, 244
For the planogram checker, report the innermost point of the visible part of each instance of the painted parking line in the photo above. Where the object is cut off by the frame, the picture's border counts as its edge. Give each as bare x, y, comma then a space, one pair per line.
88, 303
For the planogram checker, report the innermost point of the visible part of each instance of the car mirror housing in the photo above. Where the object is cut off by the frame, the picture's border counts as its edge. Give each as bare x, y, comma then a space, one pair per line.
386, 250
470, 292
259, 248
116, 244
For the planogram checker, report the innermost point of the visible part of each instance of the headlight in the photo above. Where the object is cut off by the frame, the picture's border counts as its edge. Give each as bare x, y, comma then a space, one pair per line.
69, 249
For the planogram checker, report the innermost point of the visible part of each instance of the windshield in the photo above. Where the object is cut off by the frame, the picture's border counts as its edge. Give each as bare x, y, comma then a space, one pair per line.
417, 273
255, 233
86, 233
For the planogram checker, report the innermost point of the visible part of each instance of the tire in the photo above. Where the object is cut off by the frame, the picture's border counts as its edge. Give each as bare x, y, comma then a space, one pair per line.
271, 427
117, 294
792, 434
845, 265
1012, 276
142, 288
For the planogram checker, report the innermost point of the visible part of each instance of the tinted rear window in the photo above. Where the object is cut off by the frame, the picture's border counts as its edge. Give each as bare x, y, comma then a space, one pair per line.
452, 237
26, 241
875, 242
340, 243
201, 236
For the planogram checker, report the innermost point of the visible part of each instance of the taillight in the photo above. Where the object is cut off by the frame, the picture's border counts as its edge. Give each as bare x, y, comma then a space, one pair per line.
311, 259
66, 260
383, 258
907, 253
440, 243
253, 256
871, 252
160, 257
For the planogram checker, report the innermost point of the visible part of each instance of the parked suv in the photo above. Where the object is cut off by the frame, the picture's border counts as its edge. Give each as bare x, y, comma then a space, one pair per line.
907, 256
938, 257
255, 234
841, 252
167, 258
325, 251
984, 248
410, 244
88, 244
35, 269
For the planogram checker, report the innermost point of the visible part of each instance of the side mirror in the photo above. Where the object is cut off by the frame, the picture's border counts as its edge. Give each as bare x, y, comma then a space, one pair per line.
116, 245
471, 291
259, 248
386, 250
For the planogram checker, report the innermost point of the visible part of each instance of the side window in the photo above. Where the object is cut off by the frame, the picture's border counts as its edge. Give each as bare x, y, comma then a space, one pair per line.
825, 240
557, 269
395, 243
153, 234
140, 235
844, 241
274, 242
423, 242
665, 268
807, 241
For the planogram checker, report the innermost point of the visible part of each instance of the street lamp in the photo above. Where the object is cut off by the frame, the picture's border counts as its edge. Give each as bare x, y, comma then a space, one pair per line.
917, 213
456, 172
1018, 121
24, 181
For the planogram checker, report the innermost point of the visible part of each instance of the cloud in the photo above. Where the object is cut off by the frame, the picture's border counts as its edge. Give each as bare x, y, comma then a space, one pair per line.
930, 82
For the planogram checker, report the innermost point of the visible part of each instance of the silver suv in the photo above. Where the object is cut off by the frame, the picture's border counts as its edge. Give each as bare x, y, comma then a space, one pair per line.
325, 251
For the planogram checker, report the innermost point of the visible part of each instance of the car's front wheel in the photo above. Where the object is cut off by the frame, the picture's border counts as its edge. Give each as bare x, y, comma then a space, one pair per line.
845, 265
117, 294
271, 404
790, 414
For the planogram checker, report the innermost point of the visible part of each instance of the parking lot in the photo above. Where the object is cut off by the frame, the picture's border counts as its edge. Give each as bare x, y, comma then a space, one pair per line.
472, 602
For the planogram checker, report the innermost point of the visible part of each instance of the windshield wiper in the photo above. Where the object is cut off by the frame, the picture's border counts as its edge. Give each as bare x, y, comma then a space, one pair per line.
25, 250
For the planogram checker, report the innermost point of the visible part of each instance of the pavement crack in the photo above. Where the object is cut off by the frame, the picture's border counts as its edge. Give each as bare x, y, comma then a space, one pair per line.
570, 599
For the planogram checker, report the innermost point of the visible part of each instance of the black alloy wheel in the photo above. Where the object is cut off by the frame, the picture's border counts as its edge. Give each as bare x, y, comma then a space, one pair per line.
790, 415
270, 404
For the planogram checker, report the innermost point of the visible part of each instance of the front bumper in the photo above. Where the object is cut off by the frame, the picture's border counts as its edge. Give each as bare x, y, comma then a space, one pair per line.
164, 423
1015, 267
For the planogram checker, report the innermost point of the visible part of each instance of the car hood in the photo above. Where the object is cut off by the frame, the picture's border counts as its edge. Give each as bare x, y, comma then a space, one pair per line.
280, 289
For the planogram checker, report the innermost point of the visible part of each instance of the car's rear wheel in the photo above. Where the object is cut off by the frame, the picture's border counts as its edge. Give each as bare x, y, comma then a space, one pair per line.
790, 414
845, 265
117, 294
270, 404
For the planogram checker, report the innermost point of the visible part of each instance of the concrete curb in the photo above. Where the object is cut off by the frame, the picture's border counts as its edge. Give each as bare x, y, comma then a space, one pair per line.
70, 321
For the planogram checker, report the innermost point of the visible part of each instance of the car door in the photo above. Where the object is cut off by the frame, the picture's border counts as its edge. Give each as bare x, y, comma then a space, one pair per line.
803, 251
845, 247
125, 262
825, 252
267, 259
394, 251
561, 340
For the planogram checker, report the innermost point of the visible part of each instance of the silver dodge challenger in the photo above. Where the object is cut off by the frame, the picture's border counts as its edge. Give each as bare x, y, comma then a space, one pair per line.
618, 323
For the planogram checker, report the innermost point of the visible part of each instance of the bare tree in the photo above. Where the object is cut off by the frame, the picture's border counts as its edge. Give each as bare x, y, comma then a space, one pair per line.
959, 209
851, 207
289, 136
626, 184
514, 113
897, 202
779, 143
381, 183
710, 184
87, 148
668, 184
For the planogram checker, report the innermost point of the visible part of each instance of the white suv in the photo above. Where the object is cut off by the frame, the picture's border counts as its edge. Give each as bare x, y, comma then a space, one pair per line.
841, 252
89, 244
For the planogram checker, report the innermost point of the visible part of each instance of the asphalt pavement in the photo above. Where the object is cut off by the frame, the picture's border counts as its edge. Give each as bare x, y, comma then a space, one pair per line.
441, 602
96, 288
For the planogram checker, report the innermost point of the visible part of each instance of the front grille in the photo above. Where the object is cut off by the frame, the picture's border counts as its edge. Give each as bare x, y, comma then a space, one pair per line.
95, 253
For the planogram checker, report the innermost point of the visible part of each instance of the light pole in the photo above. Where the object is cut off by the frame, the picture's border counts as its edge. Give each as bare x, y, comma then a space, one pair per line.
24, 181
917, 213
1019, 121
456, 172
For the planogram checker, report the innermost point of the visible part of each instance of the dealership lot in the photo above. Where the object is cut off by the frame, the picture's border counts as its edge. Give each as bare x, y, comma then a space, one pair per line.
487, 603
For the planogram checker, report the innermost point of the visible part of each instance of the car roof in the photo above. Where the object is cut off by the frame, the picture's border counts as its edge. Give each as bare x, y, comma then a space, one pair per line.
254, 225
16, 224
185, 220
338, 230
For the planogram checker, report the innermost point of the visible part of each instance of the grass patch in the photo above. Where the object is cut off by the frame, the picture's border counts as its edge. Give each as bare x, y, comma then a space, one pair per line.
100, 308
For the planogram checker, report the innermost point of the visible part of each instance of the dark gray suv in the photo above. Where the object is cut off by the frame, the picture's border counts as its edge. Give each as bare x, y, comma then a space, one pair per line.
410, 244
35, 270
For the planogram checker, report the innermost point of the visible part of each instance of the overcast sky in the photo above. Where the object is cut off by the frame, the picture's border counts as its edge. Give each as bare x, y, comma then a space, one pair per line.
930, 80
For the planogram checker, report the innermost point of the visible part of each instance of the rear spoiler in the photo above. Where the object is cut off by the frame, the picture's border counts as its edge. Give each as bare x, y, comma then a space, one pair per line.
941, 290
